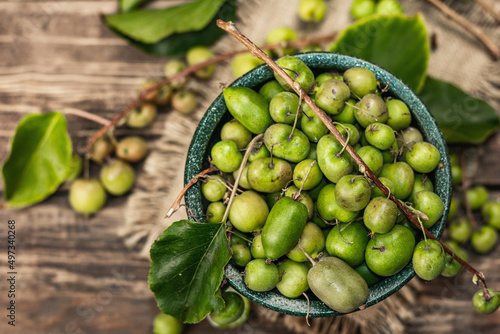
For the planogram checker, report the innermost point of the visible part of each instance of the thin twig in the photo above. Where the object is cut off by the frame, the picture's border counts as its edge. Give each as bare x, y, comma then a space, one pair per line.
231, 28
468, 26
490, 10
242, 167
177, 203
191, 69
86, 115
465, 186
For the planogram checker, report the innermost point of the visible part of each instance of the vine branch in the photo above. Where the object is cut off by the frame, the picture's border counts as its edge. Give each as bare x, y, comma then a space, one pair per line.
473, 29
191, 69
231, 29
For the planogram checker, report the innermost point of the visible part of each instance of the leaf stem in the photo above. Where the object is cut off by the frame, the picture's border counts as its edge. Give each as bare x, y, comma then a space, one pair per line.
191, 69
473, 29
231, 28
242, 167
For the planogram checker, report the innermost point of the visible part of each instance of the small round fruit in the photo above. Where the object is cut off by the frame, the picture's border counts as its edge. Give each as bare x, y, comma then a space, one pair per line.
428, 259
312, 10
388, 7
399, 114
248, 212
380, 135
101, 149
491, 213
430, 204
313, 173
86, 196
117, 177
235, 131
225, 156
241, 254
132, 149
312, 241
484, 240
166, 324
244, 63
460, 230
240, 321
172, 68
352, 192
386, 254
184, 101
453, 208
486, 304
215, 212
423, 157
232, 309
362, 8
213, 188
380, 215
456, 175
452, 266
361, 81
347, 241
198, 54
282, 34
257, 249
477, 197
293, 280
151, 96
371, 109
260, 276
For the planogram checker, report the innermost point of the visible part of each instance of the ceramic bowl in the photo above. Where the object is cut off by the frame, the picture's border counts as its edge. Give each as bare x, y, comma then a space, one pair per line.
217, 114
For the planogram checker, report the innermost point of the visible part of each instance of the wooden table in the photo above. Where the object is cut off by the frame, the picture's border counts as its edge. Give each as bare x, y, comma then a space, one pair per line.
76, 275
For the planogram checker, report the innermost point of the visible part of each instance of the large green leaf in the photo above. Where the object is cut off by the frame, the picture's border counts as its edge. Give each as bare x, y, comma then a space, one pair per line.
179, 44
395, 42
40, 159
461, 117
150, 26
187, 267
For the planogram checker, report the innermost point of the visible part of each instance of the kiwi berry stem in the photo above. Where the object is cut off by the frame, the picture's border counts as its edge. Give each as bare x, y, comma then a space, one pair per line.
240, 171
254, 49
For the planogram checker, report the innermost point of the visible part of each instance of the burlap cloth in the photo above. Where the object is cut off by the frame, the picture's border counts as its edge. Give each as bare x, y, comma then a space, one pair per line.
458, 58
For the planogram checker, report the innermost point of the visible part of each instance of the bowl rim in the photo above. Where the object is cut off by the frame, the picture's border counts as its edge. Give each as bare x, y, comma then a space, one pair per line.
320, 61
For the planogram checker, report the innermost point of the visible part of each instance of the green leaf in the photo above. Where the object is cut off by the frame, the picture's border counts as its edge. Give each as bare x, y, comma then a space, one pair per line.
179, 44
128, 5
461, 117
40, 159
187, 268
394, 42
150, 26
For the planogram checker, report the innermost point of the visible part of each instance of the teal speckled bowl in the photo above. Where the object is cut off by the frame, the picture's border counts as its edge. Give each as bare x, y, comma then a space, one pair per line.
207, 134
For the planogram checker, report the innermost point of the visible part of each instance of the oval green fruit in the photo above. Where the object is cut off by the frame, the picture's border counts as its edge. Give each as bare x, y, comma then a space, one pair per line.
248, 107
337, 285
283, 227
